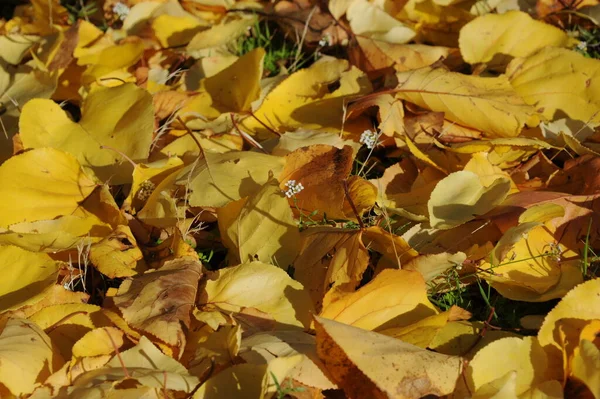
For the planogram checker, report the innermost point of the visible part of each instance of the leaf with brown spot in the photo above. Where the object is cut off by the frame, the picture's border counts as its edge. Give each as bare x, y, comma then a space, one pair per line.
160, 302
371, 365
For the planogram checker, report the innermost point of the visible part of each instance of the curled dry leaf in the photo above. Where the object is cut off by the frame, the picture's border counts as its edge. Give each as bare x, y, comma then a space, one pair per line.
160, 302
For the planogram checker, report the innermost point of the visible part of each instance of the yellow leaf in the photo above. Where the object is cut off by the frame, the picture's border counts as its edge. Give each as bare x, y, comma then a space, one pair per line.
580, 304
45, 177
586, 366
541, 213
221, 34
425, 330
291, 141
330, 257
160, 302
230, 176
100, 341
120, 118
528, 265
240, 380
263, 347
405, 302
26, 276
174, 31
432, 265
117, 255
305, 100
370, 365
558, 82
395, 250
488, 104
266, 213
207, 348
264, 287
462, 195
513, 34
370, 20
525, 356
146, 364
25, 356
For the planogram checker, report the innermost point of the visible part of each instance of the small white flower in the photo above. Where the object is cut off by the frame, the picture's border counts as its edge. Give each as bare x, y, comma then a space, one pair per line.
459, 267
582, 46
325, 41
293, 188
369, 138
121, 10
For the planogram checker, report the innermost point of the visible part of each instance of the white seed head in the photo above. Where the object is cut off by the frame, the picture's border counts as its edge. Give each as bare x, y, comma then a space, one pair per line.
293, 188
369, 138
121, 10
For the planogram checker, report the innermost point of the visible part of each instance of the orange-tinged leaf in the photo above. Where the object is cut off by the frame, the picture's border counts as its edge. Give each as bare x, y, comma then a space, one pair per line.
330, 257
160, 302
370, 365
405, 302
321, 169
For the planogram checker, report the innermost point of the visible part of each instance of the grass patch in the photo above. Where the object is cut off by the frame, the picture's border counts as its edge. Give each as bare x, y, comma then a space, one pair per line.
280, 51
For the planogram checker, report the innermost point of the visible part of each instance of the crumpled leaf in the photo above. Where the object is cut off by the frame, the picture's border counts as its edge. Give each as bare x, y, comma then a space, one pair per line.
160, 302
488, 104
120, 118
330, 257
264, 287
245, 223
401, 370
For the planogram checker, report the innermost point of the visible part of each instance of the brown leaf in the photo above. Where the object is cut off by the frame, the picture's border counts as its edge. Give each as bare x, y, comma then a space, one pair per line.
160, 302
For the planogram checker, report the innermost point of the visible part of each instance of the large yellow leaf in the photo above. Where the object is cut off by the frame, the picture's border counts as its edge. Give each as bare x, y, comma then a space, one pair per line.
368, 19
144, 363
26, 356
463, 195
488, 104
174, 31
586, 366
405, 302
371, 365
524, 356
120, 118
580, 304
330, 257
558, 81
41, 184
528, 265
26, 276
305, 99
513, 34
245, 227
228, 177
264, 287
160, 302
18, 86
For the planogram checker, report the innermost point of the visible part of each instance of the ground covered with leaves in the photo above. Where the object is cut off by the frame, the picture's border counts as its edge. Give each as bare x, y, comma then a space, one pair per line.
362, 199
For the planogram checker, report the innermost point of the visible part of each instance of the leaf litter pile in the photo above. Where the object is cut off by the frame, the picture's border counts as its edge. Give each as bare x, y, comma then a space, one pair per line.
217, 199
